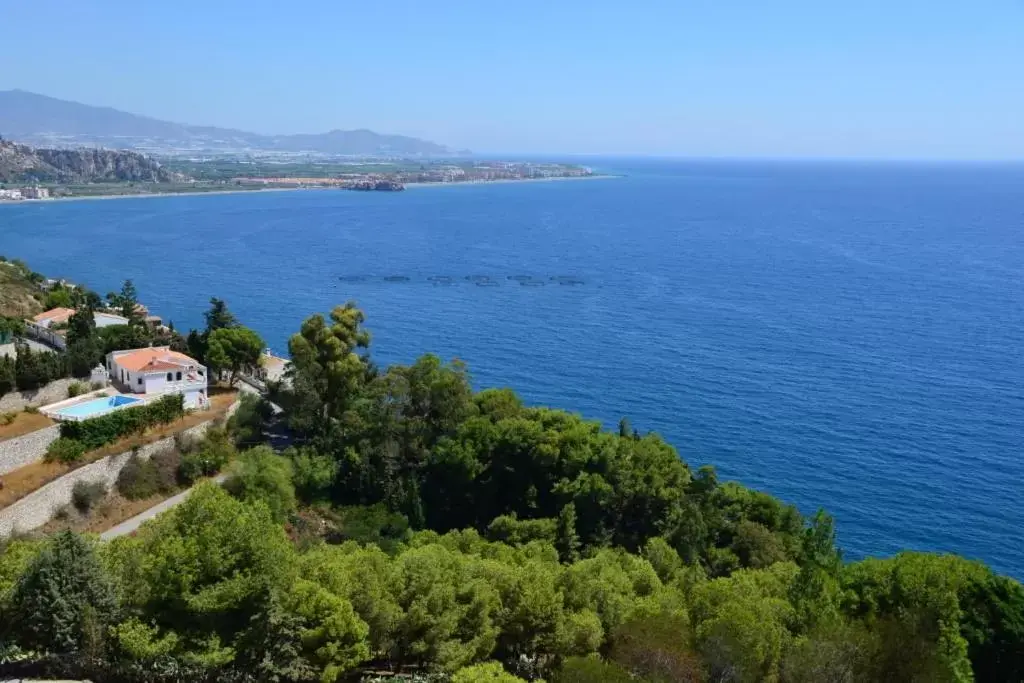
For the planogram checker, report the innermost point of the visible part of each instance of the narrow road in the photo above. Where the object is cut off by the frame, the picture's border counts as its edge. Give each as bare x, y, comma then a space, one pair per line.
130, 525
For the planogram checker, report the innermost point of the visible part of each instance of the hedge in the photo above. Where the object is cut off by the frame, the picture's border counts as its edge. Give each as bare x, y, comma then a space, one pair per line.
108, 428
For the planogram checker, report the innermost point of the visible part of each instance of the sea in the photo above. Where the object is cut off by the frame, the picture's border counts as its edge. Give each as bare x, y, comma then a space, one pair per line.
846, 336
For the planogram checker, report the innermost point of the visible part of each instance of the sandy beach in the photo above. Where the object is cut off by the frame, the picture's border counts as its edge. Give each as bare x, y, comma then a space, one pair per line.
153, 195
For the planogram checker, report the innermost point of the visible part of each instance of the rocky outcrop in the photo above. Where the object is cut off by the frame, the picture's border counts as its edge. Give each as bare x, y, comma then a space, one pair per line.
24, 164
375, 185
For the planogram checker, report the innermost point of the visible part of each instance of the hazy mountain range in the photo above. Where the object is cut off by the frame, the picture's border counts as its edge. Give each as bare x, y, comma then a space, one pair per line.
46, 121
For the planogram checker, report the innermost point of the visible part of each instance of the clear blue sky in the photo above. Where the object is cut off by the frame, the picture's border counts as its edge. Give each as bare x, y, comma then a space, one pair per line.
859, 78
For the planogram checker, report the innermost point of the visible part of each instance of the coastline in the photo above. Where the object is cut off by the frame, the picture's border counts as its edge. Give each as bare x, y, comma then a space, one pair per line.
414, 185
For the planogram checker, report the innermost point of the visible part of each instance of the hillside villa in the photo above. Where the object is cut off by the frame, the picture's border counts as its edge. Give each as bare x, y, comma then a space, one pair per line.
51, 326
158, 370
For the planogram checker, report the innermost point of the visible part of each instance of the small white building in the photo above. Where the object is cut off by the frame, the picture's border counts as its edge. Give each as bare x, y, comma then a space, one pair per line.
156, 371
35, 192
51, 326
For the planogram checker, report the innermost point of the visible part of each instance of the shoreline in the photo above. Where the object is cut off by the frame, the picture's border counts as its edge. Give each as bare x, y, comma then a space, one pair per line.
413, 185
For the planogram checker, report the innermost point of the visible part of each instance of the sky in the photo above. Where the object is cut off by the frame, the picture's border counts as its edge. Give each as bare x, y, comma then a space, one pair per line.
910, 79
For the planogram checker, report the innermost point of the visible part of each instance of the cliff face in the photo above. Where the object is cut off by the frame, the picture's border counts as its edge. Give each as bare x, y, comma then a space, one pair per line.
24, 164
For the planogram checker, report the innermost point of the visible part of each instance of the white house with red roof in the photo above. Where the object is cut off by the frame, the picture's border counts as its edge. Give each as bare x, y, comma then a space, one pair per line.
159, 370
50, 326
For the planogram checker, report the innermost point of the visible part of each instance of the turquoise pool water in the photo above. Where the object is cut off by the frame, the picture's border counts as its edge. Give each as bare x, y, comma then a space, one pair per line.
97, 406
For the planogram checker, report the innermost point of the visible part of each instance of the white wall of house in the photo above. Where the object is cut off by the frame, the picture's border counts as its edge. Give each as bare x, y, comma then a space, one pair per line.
194, 398
156, 382
44, 334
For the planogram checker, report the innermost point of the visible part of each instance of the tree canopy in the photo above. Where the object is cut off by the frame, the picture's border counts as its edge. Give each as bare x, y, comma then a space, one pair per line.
419, 527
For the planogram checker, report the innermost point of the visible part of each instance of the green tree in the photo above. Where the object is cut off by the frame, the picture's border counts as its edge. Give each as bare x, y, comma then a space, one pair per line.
740, 623
63, 598
591, 670
449, 611
488, 672
657, 648
993, 625
83, 347
58, 297
313, 473
334, 637
259, 474
237, 349
218, 317
327, 368
81, 326
126, 301
250, 420
203, 570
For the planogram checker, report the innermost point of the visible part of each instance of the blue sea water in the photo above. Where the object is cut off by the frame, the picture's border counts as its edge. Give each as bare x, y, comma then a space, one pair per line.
846, 336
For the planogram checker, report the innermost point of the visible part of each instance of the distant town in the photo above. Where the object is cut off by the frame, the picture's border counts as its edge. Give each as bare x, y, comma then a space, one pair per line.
28, 173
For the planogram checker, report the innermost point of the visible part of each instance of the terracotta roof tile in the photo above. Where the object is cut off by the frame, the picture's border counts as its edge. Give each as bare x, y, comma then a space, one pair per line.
158, 358
54, 315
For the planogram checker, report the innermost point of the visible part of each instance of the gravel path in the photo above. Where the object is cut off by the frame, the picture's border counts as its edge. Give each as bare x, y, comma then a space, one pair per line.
135, 522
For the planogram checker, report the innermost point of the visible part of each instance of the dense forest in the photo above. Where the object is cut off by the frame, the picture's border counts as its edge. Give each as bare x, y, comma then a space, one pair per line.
422, 530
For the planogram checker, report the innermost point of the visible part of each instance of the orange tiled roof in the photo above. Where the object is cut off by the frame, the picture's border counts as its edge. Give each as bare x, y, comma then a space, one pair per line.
54, 315
160, 358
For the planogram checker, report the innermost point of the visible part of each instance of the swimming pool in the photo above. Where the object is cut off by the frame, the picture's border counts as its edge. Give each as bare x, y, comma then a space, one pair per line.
95, 407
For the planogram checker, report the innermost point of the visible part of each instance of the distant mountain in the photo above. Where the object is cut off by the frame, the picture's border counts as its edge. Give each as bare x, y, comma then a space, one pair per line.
24, 164
41, 120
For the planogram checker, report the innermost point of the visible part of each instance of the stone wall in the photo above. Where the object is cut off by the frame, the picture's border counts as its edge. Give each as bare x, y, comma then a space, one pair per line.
26, 449
51, 393
40, 506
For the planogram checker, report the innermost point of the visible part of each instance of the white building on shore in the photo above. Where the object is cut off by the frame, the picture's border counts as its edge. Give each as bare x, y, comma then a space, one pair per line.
50, 326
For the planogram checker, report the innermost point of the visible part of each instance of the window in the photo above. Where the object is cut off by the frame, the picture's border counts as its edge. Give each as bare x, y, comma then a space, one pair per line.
139, 381
179, 376
170, 377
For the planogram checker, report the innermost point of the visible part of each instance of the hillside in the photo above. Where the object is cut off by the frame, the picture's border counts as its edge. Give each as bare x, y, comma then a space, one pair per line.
19, 296
47, 121
24, 164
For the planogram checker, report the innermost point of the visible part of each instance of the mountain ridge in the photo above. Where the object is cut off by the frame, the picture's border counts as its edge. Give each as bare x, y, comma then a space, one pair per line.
41, 120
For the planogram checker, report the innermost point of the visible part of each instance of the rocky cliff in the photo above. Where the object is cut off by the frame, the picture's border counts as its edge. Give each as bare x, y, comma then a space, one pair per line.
24, 164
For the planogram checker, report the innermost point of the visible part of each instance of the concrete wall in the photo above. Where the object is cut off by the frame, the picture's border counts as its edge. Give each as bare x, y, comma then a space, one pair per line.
39, 507
51, 393
26, 449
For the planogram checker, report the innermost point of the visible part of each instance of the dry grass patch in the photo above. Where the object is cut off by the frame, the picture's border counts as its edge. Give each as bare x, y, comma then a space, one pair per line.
23, 423
106, 514
25, 480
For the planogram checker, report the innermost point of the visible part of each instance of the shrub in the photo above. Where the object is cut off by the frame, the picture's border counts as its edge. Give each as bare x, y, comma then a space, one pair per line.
261, 474
77, 389
138, 479
65, 450
86, 494
8, 418
141, 478
31, 410
215, 451
105, 429
167, 464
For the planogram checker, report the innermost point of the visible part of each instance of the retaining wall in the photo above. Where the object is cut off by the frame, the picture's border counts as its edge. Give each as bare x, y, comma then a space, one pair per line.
27, 448
50, 393
40, 506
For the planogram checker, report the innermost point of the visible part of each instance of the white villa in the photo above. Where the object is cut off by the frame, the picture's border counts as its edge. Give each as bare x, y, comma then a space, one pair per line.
50, 326
156, 371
